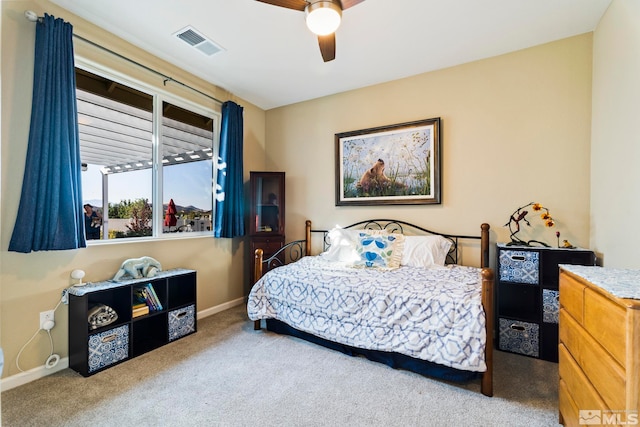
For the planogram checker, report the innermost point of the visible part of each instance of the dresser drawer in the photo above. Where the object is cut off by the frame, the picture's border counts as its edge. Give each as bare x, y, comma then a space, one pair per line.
519, 266
519, 337
269, 247
569, 411
583, 395
606, 322
572, 297
602, 371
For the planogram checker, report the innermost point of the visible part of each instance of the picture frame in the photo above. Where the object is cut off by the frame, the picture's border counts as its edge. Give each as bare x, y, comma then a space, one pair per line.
389, 165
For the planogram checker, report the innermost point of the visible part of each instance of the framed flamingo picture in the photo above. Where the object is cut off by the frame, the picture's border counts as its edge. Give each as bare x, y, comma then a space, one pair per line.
397, 164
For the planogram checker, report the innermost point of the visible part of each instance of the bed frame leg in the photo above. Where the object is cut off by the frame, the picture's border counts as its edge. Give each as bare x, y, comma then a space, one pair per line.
487, 384
257, 274
487, 300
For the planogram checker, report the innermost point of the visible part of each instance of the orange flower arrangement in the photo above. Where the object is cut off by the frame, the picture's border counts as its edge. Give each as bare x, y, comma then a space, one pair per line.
520, 215
546, 217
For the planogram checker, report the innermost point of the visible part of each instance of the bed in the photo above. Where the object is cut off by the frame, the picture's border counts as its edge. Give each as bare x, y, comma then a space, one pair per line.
387, 290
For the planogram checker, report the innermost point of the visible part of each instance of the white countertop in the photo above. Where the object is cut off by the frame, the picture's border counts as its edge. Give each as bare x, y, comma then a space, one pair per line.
622, 283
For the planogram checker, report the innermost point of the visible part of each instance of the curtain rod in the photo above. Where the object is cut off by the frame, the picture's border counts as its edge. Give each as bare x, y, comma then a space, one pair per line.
33, 17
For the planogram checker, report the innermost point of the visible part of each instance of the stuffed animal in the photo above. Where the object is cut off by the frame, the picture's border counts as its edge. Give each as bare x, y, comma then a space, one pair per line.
138, 268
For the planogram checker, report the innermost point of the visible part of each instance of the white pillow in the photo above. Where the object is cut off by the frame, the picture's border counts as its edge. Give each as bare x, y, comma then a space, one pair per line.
345, 243
343, 246
425, 251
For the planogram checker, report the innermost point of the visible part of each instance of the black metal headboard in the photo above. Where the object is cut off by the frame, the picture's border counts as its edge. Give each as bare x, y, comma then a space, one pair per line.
402, 227
296, 249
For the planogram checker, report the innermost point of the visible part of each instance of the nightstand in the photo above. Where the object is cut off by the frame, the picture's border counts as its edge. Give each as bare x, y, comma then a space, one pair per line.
527, 297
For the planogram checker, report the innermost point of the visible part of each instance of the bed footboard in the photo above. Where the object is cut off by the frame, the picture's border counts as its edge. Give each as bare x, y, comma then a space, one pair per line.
290, 252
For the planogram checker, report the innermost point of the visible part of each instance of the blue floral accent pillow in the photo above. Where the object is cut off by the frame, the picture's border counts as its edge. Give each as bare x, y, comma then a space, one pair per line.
379, 250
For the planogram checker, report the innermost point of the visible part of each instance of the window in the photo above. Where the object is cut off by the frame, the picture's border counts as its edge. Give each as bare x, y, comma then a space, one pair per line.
126, 175
187, 169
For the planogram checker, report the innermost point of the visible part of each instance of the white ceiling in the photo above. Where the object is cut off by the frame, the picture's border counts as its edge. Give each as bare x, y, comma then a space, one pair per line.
271, 59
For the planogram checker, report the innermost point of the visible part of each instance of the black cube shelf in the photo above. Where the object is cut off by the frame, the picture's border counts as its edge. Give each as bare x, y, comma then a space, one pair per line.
93, 349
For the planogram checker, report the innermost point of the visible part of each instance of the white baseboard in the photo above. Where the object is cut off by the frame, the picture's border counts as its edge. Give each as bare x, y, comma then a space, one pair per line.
41, 371
222, 307
32, 375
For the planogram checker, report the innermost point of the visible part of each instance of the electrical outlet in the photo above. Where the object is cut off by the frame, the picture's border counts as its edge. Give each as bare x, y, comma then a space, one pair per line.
46, 316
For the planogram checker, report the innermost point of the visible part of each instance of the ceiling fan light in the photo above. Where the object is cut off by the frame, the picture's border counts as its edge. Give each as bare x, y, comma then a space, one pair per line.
323, 17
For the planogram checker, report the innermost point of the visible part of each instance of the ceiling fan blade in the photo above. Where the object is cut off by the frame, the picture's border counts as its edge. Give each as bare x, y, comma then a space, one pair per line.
346, 4
289, 4
328, 47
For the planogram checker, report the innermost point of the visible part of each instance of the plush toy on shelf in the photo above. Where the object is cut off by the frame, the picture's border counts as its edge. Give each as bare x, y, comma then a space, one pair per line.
137, 268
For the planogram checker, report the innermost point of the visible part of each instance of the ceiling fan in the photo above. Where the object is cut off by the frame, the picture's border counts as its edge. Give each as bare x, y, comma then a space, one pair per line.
322, 17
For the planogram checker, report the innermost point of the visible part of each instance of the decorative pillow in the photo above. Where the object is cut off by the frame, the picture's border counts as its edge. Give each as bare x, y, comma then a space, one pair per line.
379, 250
425, 251
343, 246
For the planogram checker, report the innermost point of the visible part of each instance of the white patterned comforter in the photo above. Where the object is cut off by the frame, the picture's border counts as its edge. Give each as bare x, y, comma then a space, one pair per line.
429, 314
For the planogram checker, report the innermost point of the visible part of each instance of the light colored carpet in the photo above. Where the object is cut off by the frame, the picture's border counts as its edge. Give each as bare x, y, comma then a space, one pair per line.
229, 375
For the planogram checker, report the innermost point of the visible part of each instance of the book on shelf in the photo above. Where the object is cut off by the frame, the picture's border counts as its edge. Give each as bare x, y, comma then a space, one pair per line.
139, 298
143, 295
147, 295
154, 296
150, 301
140, 311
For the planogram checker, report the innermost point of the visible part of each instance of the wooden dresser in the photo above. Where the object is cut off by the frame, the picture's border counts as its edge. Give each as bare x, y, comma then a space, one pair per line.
599, 351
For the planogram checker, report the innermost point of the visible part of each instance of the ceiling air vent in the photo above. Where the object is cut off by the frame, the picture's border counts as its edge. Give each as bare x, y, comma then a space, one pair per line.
194, 38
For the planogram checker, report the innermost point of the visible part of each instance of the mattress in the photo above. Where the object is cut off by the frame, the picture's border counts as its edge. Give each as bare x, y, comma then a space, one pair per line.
433, 314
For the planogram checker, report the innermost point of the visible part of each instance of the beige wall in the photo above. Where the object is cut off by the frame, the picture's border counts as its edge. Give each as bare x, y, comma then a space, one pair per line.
515, 129
615, 146
30, 283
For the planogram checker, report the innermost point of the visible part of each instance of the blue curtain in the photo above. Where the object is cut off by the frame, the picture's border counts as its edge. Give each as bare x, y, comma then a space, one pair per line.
50, 216
230, 180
